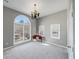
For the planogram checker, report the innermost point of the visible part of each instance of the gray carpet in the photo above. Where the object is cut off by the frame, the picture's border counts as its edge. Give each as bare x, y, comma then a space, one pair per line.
36, 50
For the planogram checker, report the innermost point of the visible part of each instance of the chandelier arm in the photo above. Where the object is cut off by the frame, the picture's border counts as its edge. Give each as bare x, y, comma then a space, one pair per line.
35, 14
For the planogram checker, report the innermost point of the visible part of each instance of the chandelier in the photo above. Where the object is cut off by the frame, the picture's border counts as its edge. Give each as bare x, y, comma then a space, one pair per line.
35, 14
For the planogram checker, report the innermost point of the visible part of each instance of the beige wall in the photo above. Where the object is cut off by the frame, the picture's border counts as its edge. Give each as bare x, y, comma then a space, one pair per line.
57, 18
8, 24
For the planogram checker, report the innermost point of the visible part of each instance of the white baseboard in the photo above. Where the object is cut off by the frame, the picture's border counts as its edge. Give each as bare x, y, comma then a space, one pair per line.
5, 49
57, 45
61, 46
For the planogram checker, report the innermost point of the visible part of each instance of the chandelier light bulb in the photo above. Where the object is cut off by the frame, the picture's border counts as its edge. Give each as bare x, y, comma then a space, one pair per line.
35, 14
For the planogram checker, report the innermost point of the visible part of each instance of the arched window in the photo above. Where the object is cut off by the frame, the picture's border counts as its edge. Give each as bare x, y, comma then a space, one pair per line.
22, 29
21, 19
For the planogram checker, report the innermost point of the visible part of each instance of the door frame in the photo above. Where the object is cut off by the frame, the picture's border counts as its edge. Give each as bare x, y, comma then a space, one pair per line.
71, 29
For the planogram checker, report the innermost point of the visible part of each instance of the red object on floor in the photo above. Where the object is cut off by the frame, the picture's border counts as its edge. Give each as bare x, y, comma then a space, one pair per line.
39, 36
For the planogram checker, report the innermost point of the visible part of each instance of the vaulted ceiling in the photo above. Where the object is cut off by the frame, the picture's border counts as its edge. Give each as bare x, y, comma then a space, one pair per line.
46, 7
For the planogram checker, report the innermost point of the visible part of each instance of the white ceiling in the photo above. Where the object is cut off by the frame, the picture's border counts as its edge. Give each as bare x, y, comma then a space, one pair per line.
46, 7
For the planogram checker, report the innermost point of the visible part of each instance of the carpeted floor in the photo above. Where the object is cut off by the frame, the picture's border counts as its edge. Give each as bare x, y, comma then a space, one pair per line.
36, 50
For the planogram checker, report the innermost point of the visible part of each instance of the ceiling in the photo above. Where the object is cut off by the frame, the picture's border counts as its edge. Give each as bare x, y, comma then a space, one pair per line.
45, 7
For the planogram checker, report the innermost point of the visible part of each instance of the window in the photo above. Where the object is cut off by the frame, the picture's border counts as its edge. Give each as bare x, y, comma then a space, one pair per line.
22, 29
